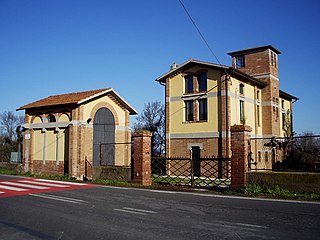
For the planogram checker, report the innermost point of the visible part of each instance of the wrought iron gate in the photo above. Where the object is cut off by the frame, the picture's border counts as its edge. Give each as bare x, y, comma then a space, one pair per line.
195, 171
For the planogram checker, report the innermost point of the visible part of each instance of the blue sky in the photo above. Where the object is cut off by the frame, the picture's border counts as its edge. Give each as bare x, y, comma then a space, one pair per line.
53, 47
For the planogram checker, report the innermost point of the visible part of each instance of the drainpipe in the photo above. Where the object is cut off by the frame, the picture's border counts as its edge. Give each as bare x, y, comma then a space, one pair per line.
291, 115
227, 115
165, 116
220, 144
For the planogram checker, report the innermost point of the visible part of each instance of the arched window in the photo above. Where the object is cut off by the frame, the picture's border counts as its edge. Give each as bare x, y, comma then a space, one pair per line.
51, 118
241, 88
188, 84
202, 81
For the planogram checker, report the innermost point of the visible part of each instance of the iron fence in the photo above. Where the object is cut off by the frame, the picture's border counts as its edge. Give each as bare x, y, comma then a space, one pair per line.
204, 172
286, 154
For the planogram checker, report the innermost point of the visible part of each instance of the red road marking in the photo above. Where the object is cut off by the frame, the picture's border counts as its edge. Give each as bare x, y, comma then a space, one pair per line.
32, 185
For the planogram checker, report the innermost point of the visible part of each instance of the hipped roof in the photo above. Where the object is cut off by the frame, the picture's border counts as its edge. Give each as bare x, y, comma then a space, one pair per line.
77, 98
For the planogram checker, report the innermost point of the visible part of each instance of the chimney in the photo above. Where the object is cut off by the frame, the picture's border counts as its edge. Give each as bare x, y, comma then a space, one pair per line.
173, 66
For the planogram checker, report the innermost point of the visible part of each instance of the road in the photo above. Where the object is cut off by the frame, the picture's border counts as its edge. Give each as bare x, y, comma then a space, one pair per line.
123, 213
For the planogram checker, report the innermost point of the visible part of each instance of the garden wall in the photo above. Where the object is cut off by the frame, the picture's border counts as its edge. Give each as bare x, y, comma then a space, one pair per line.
295, 181
11, 166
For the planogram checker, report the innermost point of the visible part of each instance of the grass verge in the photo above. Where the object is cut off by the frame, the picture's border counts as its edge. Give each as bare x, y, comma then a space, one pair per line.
273, 192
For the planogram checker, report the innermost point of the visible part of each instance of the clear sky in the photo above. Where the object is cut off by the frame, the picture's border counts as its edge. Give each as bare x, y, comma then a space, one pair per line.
54, 47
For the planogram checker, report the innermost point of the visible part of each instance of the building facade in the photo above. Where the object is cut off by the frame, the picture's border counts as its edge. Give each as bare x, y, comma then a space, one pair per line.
69, 134
204, 99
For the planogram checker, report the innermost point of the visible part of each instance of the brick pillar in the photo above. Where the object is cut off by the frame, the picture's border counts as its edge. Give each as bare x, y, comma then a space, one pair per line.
240, 137
142, 158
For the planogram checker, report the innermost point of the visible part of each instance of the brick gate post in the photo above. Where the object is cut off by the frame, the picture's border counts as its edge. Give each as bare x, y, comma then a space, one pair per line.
240, 137
142, 158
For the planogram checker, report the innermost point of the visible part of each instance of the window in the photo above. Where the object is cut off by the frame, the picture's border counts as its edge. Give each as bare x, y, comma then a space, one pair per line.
284, 121
189, 84
258, 115
241, 88
266, 156
259, 156
203, 109
273, 59
258, 95
189, 110
202, 81
51, 118
282, 104
242, 119
240, 61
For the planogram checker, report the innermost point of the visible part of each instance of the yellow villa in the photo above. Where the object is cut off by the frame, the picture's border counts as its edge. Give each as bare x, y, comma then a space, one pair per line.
203, 100
70, 134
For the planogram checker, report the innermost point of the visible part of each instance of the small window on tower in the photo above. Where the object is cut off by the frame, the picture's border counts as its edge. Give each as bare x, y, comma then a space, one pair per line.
273, 59
240, 63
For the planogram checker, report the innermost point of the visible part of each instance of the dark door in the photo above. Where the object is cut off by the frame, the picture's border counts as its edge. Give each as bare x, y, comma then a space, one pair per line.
196, 161
103, 138
66, 152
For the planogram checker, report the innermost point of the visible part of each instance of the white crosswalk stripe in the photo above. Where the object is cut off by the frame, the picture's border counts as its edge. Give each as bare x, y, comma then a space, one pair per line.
44, 184
12, 188
61, 182
24, 185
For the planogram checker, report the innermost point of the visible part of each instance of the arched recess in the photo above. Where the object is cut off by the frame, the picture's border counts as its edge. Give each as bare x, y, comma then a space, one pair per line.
36, 119
103, 138
104, 105
64, 118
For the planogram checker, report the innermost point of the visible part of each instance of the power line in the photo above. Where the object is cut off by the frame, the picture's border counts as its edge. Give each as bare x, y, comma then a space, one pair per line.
201, 35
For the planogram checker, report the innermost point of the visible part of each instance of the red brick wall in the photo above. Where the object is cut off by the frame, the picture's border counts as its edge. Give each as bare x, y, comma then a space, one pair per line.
240, 137
142, 158
49, 168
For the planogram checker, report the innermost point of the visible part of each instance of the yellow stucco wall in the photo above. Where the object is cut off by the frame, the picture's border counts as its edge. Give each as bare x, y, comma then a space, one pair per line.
50, 145
177, 107
38, 141
61, 139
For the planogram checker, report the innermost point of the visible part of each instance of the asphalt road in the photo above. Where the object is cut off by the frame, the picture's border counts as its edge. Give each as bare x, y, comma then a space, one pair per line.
123, 213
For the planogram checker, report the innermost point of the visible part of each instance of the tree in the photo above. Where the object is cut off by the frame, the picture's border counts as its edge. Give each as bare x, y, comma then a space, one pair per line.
152, 118
10, 126
10, 134
307, 147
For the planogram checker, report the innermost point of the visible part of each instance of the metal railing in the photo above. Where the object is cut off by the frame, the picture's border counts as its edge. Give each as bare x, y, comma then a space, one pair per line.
204, 172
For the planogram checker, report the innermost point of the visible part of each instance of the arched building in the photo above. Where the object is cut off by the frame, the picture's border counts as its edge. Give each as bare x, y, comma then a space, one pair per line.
69, 134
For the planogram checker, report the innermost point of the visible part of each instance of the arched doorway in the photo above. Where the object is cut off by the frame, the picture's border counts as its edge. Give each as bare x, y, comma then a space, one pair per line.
103, 138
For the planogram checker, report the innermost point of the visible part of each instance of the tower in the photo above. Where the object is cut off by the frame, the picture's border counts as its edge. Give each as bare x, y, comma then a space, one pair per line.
262, 64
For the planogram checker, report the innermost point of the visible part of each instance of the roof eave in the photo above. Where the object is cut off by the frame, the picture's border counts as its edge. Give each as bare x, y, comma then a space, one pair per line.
189, 62
131, 110
255, 49
288, 96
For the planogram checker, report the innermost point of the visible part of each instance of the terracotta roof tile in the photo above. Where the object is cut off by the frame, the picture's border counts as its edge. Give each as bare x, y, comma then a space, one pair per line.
63, 99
